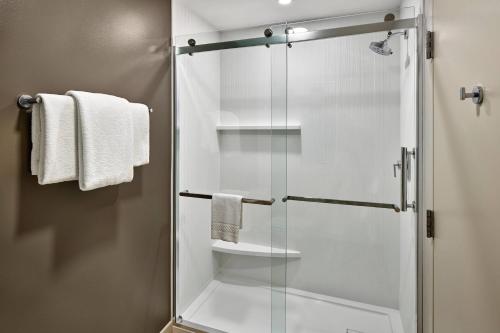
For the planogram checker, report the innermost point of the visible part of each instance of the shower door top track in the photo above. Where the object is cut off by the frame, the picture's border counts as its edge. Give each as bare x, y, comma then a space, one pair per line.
302, 37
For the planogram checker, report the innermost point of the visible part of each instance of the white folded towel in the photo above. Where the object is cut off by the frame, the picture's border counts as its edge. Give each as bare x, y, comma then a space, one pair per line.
53, 132
140, 120
105, 140
226, 217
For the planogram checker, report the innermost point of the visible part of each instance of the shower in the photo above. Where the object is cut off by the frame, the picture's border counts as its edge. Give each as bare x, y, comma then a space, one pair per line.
284, 129
382, 47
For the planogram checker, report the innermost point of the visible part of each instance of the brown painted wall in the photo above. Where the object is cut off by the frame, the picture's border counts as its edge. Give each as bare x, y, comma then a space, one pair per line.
93, 262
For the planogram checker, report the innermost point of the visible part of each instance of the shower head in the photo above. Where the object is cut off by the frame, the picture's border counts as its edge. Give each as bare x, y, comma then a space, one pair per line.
381, 48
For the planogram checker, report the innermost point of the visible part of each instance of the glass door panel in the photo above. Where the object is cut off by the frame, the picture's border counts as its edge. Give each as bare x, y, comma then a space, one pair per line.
227, 111
355, 108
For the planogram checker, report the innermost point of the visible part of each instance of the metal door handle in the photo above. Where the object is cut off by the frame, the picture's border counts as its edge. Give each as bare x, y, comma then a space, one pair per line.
477, 94
405, 173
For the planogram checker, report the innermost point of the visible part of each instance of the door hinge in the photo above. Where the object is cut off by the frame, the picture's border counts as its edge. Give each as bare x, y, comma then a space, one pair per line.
429, 45
430, 224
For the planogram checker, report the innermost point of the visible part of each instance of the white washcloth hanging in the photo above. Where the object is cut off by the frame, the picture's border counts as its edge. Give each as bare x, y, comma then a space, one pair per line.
54, 157
226, 217
140, 120
105, 140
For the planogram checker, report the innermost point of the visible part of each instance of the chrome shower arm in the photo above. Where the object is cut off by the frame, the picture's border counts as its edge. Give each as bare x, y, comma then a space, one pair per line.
392, 34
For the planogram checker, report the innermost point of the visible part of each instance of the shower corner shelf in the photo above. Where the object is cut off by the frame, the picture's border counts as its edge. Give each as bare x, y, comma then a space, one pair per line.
254, 250
257, 127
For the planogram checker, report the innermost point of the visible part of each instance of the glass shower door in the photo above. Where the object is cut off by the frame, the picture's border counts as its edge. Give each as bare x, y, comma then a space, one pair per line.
231, 138
356, 110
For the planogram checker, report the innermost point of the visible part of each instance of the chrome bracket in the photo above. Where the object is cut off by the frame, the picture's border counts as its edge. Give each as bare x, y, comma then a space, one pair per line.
477, 95
25, 102
191, 43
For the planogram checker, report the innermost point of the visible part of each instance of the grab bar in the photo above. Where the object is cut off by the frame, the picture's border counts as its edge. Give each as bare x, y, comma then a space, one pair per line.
344, 202
244, 200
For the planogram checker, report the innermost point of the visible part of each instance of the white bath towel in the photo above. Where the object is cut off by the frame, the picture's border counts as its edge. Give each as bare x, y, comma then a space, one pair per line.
35, 139
140, 120
53, 132
226, 217
105, 140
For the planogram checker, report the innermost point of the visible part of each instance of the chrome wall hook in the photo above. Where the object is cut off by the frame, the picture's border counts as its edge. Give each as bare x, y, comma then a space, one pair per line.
477, 95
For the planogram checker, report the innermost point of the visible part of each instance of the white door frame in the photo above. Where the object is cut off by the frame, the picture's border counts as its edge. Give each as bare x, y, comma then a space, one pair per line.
426, 196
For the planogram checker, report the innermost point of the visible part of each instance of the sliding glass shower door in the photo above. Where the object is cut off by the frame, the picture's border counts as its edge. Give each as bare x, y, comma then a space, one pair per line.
231, 139
351, 181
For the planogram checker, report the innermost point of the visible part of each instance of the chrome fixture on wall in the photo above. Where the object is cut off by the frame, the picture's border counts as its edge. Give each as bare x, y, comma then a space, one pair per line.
477, 95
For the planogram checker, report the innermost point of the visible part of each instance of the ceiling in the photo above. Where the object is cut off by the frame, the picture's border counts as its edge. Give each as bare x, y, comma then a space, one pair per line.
234, 14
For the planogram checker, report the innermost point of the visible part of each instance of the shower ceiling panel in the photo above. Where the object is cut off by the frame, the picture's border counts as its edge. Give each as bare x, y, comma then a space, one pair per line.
245, 13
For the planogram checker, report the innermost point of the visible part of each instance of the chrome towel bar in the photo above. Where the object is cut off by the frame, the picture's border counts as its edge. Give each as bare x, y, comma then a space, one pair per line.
25, 102
344, 202
245, 200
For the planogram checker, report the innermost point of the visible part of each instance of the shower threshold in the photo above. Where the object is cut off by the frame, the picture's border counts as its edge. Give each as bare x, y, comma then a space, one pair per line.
244, 306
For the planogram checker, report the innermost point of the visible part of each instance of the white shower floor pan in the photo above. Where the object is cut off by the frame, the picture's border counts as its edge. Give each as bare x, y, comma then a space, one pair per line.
245, 307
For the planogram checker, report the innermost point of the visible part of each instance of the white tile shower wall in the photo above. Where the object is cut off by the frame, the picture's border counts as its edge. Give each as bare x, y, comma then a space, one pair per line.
408, 240
347, 100
199, 105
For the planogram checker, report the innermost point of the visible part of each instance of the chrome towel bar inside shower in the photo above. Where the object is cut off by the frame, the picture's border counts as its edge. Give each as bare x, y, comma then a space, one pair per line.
343, 202
245, 200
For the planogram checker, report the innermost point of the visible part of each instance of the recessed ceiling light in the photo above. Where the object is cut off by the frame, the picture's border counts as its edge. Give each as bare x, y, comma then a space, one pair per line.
299, 30
284, 2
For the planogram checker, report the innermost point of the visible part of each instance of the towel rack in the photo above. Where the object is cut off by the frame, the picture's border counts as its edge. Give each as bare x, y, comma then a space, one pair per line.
25, 102
244, 200
343, 202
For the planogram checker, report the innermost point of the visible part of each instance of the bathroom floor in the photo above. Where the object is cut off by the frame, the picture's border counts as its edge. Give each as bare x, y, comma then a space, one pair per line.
244, 307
